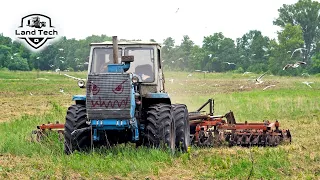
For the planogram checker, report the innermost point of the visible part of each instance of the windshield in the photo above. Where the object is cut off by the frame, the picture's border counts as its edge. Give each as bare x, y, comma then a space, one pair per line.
101, 58
143, 62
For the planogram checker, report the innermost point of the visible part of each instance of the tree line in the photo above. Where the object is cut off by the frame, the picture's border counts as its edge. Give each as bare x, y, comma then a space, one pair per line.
298, 40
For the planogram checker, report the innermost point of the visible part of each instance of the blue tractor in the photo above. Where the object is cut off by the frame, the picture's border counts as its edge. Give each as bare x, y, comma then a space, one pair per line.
125, 102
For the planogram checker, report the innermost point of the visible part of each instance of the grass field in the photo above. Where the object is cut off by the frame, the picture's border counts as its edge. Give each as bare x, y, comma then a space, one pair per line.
293, 103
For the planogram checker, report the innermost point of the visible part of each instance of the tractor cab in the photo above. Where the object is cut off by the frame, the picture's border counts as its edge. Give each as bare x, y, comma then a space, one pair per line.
139, 58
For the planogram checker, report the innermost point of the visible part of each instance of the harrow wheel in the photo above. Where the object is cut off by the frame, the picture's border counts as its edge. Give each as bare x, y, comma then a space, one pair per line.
181, 118
76, 119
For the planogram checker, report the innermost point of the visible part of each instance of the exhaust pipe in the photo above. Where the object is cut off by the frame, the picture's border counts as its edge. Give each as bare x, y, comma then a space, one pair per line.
115, 49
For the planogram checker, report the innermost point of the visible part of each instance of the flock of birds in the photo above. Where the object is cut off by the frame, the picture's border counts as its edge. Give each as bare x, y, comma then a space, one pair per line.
259, 80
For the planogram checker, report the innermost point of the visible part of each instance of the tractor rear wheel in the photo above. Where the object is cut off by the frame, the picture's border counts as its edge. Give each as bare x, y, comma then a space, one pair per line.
76, 119
160, 128
181, 118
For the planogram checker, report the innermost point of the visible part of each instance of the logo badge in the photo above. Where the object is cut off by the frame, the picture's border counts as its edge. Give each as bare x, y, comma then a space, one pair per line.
36, 30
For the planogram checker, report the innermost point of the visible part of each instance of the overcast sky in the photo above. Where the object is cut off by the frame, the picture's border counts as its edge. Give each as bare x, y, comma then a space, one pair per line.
146, 19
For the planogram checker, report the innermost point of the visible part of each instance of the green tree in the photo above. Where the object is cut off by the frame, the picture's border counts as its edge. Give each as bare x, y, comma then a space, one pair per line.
305, 13
5, 55
219, 50
18, 63
289, 39
253, 51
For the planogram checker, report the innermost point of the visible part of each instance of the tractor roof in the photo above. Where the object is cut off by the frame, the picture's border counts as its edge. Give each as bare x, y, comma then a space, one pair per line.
121, 42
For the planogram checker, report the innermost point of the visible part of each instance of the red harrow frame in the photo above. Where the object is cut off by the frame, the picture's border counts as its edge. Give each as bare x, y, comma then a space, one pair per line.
210, 130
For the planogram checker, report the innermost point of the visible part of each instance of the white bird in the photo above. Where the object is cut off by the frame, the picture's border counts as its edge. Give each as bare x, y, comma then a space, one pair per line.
61, 49
299, 49
307, 83
172, 61
246, 73
305, 74
242, 56
295, 65
258, 80
31, 94
171, 80
38, 57
229, 63
189, 75
268, 87
73, 77
61, 90
210, 55
61, 57
15, 54
57, 70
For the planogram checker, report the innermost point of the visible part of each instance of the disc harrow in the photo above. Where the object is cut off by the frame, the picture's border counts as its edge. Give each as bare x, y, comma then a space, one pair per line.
210, 130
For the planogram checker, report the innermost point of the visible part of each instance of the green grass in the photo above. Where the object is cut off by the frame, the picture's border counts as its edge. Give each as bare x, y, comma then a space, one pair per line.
294, 104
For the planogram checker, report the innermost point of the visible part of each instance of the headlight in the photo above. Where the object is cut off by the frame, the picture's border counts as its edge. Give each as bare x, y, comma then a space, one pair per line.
81, 83
135, 79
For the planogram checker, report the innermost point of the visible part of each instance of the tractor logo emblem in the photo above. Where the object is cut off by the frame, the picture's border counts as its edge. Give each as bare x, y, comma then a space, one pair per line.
94, 89
119, 88
36, 30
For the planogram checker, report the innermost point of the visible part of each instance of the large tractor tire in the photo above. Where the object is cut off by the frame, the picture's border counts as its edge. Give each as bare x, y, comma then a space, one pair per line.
181, 118
76, 119
160, 128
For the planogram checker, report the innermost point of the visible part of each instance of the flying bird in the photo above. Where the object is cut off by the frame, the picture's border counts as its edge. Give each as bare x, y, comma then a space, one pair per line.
307, 83
295, 65
246, 73
305, 74
268, 87
229, 63
258, 80
299, 49
177, 10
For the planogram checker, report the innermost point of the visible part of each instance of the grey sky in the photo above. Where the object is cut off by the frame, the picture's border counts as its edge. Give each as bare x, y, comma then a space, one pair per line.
146, 19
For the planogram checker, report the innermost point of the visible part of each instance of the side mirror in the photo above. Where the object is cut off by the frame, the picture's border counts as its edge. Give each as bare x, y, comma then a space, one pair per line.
81, 83
127, 59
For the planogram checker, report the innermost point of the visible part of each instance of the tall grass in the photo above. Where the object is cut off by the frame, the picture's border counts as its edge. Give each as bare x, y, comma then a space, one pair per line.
295, 105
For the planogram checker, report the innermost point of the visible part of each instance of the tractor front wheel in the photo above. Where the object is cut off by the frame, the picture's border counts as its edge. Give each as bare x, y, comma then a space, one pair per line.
160, 127
76, 119
181, 118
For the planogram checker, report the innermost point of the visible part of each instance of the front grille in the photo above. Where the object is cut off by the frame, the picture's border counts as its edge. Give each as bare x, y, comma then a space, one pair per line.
108, 96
